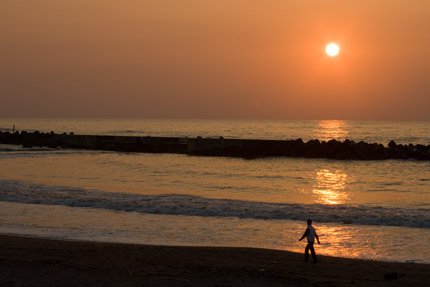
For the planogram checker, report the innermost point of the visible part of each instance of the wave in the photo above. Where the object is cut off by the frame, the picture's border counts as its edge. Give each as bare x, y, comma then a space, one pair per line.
14, 151
21, 149
173, 204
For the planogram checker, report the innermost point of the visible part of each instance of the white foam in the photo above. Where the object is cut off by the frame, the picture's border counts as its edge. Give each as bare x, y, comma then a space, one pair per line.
15, 191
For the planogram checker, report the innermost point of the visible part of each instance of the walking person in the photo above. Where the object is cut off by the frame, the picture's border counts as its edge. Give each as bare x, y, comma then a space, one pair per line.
311, 234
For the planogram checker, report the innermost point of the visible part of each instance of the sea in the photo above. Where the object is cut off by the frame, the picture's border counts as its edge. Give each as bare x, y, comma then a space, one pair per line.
373, 210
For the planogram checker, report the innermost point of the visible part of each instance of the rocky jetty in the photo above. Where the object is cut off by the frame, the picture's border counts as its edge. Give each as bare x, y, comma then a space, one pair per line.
246, 148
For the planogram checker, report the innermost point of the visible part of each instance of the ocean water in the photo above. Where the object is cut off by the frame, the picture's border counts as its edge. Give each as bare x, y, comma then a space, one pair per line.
361, 209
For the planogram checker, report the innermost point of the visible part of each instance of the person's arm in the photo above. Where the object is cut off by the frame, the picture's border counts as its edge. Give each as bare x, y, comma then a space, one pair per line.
316, 236
305, 234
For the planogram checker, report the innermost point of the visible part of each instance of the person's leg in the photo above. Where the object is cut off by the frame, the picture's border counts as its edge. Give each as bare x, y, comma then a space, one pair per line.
307, 252
314, 256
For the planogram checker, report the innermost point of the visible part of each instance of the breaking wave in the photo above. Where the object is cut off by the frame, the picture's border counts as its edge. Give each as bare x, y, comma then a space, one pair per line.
15, 191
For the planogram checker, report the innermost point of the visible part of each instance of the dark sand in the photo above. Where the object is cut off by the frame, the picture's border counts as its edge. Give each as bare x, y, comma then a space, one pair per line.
43, 262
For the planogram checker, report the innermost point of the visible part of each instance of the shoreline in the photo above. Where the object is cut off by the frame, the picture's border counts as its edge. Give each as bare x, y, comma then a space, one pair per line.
32, 261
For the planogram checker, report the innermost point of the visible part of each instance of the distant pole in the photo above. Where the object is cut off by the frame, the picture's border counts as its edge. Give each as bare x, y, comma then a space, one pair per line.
13, 129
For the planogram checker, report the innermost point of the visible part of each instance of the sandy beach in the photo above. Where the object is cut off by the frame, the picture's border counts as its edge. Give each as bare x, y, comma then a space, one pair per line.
45, 262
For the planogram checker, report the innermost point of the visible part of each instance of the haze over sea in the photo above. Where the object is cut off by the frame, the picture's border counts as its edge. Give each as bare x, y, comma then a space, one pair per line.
361, 209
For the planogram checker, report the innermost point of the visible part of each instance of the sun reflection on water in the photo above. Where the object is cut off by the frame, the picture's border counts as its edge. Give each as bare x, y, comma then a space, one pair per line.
339, 241
333, 129
330, 187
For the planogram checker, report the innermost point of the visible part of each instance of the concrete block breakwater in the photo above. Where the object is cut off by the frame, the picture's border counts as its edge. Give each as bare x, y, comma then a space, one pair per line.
245, 148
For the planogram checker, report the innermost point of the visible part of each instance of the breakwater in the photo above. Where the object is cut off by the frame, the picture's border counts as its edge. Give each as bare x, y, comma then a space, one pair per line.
246, 148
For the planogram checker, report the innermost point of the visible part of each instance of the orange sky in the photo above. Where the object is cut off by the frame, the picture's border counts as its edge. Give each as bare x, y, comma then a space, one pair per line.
215, 59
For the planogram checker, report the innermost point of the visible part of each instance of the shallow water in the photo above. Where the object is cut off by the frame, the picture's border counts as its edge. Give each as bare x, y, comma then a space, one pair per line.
385, 243
365, 209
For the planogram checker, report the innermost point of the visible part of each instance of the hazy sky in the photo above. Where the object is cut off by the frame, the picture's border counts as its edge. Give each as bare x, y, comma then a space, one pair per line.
215, 59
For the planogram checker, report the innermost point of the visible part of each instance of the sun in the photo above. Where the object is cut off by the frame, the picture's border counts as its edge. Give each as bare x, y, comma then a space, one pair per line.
332, 49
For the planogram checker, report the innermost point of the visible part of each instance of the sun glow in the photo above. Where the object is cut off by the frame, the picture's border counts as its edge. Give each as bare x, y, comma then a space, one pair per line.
330, 187
332, 49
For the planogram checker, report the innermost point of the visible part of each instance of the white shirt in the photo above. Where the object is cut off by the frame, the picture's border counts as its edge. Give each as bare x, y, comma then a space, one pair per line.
311, 234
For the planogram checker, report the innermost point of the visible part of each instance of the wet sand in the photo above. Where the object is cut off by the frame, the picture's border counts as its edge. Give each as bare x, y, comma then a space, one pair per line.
44, 262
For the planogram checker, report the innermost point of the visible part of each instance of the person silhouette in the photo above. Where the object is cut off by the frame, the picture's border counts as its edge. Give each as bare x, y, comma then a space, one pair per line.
311, 234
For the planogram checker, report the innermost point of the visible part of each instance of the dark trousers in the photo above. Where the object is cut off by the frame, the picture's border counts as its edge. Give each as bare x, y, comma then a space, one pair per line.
311, 247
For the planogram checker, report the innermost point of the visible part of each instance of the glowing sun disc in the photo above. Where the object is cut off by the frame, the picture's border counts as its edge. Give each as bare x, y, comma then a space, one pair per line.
332, 49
